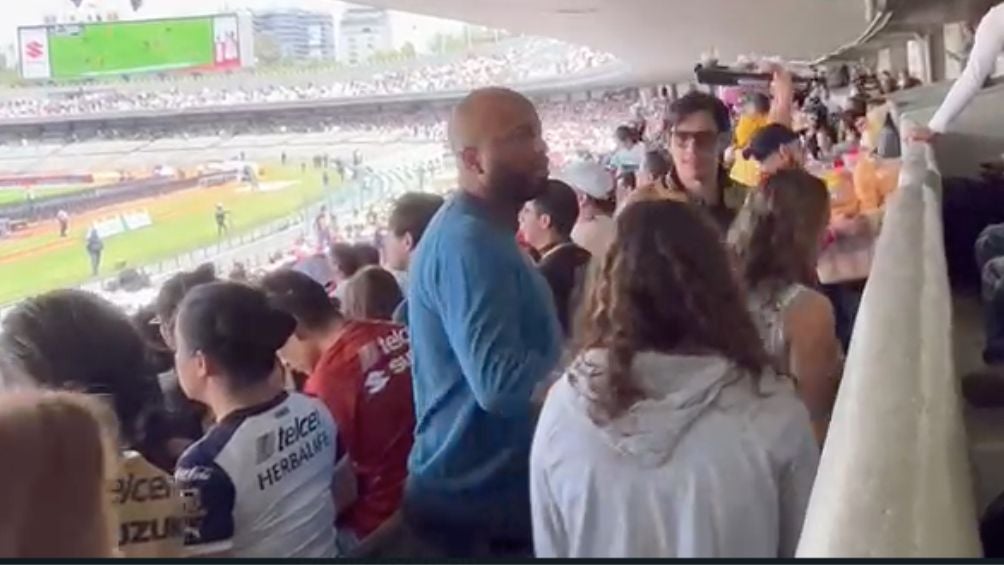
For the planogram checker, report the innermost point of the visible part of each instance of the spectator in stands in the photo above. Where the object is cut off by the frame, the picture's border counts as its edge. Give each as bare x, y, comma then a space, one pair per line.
73, 340
238, 272
594, 229
55, 479
255, 498
484, 334
626, 184
699, 127
546, 223
655, 170
669, 436
906, 81
345, 262
409, 217
344, 259
159, 355
189, 417
774, 148
372, 294
95, 246
756, 109
755, 115
322, 226
367, 254
887, 83
654, 183
361, 370
986, 388
776, 239
630, 153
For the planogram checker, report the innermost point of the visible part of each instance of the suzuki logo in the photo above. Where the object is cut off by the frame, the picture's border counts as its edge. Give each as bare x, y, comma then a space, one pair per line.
34, 49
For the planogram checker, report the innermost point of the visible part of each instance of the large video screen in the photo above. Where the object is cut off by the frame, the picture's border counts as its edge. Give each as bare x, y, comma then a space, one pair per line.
71, 51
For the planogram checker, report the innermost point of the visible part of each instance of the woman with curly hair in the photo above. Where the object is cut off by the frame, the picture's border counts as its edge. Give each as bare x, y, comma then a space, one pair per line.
669, 436
776, 239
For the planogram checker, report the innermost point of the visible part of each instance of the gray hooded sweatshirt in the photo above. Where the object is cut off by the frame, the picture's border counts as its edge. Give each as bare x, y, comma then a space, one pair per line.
709, 465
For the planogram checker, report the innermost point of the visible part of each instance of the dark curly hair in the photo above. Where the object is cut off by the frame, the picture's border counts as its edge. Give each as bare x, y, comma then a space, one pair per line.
776, 235
78, 341
666, 285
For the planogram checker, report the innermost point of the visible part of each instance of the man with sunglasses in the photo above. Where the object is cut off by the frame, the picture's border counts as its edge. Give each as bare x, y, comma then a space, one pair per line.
699, 128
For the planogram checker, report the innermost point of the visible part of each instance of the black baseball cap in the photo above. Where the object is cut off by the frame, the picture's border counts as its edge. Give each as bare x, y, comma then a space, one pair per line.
768, 140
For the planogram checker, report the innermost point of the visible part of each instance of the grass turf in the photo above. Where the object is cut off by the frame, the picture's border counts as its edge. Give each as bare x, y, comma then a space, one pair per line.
19, 195
181, 222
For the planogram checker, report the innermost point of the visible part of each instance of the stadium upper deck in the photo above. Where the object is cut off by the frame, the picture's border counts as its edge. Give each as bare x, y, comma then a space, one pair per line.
524, 61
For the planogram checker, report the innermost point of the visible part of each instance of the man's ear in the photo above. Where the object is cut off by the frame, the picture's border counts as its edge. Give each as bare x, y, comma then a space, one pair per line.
408, 241
471, 159
545, 221
204, 366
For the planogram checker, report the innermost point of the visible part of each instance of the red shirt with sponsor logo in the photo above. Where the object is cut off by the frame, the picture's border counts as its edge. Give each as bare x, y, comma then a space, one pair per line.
364, 378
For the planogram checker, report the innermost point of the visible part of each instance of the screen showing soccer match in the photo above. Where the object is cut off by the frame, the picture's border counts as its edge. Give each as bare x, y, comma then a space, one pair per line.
69, 51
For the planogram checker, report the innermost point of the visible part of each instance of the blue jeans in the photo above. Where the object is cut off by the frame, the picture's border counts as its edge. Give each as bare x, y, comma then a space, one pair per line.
990, 260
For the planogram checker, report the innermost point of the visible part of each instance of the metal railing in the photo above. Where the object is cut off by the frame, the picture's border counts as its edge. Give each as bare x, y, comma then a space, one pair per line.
895, 479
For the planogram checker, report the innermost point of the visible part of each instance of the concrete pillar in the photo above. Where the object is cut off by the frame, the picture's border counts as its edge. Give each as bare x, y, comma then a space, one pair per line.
936, 54
871, 60
899, 57
955, 45
884, 61
919, 60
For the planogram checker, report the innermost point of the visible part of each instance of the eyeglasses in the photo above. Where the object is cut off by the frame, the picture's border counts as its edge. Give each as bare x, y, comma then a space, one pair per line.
702, 140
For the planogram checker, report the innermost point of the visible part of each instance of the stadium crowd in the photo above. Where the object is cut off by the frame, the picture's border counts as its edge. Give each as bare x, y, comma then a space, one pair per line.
630, 357
531, 59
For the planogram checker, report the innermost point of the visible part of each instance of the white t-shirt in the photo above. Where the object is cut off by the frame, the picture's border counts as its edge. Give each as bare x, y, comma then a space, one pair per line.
706, 466
259, 483
595, 235
989, 43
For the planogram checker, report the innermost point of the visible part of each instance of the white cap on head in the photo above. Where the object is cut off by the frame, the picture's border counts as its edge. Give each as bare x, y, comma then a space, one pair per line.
589, 178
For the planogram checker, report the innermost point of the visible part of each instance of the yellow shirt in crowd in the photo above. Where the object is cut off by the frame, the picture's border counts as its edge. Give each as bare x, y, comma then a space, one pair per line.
149, 510
746, 171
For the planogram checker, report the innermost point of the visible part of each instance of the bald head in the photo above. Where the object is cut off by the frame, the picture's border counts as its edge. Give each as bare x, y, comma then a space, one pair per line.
486, 114
501, 155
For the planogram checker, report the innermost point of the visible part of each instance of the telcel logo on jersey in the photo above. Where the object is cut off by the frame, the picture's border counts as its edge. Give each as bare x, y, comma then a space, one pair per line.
302, 440
299, 429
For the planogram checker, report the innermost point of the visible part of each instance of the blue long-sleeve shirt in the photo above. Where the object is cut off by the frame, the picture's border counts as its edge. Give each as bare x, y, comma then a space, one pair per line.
484, 333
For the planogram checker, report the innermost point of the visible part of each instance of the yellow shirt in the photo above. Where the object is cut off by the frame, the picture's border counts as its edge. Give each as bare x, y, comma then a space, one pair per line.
149, 510
746, 128
746, 171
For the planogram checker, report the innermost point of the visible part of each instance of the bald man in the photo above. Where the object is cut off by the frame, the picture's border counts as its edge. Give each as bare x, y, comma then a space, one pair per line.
484, 333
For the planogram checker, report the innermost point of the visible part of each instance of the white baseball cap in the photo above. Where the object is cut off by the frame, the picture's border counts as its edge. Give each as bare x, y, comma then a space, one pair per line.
589, 178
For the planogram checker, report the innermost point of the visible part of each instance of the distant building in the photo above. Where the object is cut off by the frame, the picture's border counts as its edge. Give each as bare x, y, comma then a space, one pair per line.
300, 34
364, 31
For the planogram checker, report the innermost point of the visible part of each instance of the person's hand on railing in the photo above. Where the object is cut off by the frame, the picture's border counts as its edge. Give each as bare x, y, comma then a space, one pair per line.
922, 134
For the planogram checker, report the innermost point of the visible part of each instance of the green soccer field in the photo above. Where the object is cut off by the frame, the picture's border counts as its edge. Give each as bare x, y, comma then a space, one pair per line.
143, 46
19, 195
182, 222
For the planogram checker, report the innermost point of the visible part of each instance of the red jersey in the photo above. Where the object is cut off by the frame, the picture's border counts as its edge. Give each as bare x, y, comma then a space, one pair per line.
364, 378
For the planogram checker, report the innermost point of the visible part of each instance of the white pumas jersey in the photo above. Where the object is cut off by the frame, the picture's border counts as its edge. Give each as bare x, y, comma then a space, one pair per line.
258, 484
